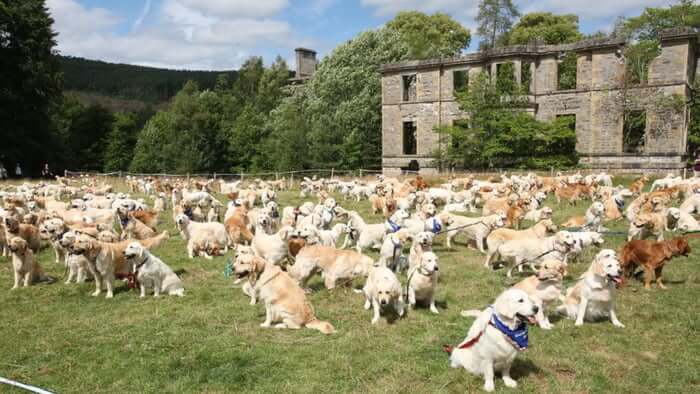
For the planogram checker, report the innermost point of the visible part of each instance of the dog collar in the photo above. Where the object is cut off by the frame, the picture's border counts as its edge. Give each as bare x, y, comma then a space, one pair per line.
517, 337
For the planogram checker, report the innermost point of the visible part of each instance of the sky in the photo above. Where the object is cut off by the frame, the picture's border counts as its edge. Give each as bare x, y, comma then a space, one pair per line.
221, 34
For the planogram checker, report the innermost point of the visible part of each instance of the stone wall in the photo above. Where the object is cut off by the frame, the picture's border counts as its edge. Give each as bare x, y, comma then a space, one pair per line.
599, 100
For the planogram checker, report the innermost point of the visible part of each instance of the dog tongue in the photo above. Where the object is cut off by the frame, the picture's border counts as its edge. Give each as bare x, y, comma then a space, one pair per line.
532, 320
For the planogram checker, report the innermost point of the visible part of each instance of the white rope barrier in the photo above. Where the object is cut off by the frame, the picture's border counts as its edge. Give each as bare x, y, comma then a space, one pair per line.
24, 386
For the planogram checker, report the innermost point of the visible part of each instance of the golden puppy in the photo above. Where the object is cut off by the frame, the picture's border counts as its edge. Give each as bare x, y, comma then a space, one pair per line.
544, 288
285, 302
24, 263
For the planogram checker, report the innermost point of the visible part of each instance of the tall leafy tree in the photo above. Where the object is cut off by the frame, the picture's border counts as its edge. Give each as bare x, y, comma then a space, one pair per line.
429, 36
643, 33
29, 82
345, 99
549, 28
121, 141
497, 135
649, 24
495, 18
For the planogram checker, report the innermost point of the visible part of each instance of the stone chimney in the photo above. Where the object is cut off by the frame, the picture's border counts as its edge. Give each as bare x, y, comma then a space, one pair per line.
306, 63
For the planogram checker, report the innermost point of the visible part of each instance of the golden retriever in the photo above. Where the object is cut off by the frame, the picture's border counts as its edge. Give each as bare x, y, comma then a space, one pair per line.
24, 264
593, 296
544, 288
337, 265
286, 305
381, 290
495, 338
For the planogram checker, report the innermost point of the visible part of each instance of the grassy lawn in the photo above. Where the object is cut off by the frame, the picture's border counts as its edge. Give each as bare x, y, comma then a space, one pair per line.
58, 337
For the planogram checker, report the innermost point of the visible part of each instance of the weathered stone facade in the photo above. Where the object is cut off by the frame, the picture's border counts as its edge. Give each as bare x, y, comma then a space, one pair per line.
599, 100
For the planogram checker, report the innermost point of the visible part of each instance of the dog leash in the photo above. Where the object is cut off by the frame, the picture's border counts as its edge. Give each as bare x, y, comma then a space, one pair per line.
460, 227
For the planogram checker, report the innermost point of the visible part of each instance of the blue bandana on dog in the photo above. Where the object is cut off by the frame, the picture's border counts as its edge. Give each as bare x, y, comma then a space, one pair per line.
437, 227
393, 226
517, 337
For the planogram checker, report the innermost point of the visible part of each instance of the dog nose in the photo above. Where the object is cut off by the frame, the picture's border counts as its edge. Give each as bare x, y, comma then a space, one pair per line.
535, 309
383, 302
437, 269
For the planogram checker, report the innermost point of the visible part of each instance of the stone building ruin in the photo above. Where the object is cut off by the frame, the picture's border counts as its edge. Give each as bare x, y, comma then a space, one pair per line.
417, 96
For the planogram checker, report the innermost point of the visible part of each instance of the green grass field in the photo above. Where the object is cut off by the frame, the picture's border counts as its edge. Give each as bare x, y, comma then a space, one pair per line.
58, 337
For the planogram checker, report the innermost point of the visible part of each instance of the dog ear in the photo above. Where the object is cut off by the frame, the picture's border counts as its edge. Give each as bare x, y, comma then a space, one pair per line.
504, 307
598, 268
142, 250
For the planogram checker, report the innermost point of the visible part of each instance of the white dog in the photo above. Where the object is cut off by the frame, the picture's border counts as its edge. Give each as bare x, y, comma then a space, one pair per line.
423, 280
382, 289
152, 272
495, 338
593, 297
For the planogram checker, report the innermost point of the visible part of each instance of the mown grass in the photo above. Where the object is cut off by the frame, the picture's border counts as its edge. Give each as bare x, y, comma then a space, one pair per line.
59, 337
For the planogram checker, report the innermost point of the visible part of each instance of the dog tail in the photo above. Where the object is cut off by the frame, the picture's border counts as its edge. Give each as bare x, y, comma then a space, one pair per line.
322, 326
471, 313
180, 292
154, 242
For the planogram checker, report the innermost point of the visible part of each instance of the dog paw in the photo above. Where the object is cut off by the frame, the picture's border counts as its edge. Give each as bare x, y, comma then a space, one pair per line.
578, 323
95, 294
434, 310
375, 321
109, 295
264, 325
618, 325
489, 387
509, 382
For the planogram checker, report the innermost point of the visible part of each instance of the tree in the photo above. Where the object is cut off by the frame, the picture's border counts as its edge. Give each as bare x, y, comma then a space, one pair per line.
30, 81
345, 99
184, 138
495, 18
649, 24
551, 29
498, 135
643, 33
80, 133
121, 141
430, 36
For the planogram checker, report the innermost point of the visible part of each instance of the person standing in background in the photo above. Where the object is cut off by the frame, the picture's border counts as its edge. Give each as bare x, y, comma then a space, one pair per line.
18, 171
45, 172
696, 166
3, 172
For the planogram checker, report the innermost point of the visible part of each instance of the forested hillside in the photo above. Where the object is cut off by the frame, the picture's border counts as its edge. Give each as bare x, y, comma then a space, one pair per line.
124, 81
